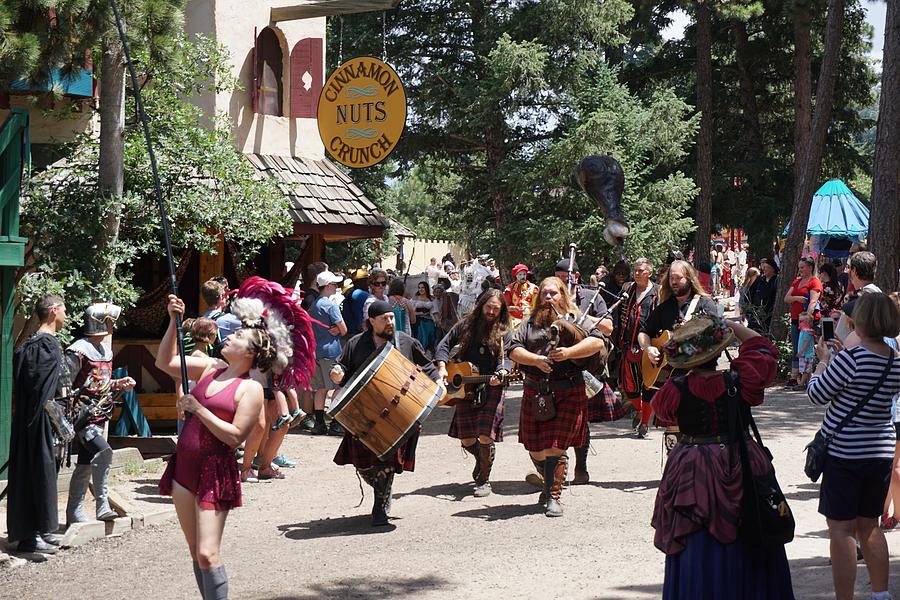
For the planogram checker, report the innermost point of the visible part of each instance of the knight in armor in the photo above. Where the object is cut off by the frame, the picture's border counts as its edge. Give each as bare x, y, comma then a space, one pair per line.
356, 356
90, 361
38, 378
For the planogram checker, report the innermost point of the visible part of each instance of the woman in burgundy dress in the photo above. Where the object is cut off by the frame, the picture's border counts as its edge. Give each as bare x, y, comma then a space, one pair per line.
202, 476
697, 510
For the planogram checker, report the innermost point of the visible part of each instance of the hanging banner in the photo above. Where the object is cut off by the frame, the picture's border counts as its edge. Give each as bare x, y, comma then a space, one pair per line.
362, 112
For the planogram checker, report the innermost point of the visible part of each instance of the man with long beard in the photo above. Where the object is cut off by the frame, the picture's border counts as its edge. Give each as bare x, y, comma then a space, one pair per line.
483, 338
554, 404
356, 355
681, 296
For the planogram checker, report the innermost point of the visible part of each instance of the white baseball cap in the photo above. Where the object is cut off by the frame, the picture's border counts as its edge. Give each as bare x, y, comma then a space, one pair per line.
326, 277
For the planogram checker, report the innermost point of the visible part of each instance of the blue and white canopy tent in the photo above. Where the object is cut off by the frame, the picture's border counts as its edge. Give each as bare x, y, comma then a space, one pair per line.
837, 219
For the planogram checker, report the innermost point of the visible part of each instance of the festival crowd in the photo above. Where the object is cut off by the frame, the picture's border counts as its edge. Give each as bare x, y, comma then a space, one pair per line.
636, 339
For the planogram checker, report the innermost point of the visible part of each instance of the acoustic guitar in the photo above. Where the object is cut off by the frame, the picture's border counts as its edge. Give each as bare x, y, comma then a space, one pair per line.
462, 379
649, 372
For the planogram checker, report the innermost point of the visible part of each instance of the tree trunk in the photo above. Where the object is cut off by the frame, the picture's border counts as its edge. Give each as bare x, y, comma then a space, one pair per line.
112, 139
747, 96
811, 162
802, 83
884, 222
704, 142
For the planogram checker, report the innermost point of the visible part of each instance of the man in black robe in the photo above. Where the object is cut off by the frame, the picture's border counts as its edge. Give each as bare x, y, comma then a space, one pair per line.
38, 375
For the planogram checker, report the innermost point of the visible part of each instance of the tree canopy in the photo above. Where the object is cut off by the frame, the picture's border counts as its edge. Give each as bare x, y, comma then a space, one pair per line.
210, 190
505, 99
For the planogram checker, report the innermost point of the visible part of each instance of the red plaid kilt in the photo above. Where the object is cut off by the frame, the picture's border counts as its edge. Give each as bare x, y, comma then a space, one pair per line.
567, 429
604, 407
488, 420
354, 452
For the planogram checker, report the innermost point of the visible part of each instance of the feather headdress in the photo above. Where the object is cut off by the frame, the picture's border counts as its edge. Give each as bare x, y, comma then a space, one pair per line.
260, 301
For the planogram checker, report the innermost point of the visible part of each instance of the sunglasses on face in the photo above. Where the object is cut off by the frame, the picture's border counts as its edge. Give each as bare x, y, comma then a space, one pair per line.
379, 284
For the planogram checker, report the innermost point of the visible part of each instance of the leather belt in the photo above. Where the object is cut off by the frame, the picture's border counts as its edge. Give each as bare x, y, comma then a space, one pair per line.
543, 385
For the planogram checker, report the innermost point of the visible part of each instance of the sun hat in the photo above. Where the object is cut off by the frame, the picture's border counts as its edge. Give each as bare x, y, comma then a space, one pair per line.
697, 341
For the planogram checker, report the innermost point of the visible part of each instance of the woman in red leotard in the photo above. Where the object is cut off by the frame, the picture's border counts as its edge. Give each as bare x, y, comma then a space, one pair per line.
202, 476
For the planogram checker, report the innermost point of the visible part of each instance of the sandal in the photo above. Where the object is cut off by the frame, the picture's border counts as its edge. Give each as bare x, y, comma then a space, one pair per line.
249, 476
270, 474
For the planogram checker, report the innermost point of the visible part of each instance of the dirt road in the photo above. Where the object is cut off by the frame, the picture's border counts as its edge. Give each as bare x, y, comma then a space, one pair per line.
303, 538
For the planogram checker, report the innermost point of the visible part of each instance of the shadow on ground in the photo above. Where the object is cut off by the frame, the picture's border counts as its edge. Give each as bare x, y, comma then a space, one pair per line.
338, 527
365, 588
501, 513
456, 492
633, 591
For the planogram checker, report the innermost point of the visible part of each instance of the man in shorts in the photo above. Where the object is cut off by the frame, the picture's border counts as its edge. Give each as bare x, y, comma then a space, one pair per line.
328, 327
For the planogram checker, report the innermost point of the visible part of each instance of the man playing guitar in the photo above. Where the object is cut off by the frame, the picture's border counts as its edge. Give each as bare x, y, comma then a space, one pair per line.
484, 338
681, 296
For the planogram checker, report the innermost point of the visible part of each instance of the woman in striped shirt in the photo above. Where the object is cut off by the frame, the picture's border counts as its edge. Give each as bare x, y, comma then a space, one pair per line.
857, 472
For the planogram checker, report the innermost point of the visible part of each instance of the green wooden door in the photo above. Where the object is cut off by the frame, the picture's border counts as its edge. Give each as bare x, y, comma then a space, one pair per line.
13, 160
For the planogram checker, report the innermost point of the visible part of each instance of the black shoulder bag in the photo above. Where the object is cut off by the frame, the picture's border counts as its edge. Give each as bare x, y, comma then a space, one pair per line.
765, 518
817, 449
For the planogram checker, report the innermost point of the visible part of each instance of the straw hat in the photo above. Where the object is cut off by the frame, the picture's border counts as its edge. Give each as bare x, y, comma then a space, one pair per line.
697, 341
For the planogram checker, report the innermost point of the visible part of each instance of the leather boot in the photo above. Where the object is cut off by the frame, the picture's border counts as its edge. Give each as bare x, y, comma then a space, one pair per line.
100, 466
78, 486
581, 473
536, 479
473, 450
554, 477
486, 453
381, 479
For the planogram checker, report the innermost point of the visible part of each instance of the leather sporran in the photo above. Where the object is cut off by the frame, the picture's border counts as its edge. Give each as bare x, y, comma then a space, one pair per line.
544, 407
816, 454
479, 398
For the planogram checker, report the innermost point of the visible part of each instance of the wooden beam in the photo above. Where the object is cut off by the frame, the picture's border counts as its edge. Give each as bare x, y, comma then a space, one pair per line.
276, 260
329, 8
339, 232
12, 254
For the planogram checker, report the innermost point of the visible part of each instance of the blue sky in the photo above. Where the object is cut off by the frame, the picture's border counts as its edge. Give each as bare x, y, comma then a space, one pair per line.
875, 10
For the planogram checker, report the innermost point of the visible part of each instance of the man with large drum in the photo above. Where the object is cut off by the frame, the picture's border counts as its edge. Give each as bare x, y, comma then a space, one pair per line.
356, 356
554, 414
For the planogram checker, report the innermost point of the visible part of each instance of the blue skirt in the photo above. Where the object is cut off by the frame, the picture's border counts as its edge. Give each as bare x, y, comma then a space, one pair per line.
709, 570
425, 333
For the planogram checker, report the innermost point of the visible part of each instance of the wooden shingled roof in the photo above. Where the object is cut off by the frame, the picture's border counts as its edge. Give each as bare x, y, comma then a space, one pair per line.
323, 198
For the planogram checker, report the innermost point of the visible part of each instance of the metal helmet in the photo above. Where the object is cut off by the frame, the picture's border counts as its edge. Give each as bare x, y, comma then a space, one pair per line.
96, 316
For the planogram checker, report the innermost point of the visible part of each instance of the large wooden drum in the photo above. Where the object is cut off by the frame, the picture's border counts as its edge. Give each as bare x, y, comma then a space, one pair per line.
386, 402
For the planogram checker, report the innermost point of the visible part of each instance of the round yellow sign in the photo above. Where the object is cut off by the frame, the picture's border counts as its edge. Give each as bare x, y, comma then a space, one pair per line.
362, 112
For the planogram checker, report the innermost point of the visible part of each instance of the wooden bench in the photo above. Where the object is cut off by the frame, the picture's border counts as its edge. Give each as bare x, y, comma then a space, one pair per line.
157, 407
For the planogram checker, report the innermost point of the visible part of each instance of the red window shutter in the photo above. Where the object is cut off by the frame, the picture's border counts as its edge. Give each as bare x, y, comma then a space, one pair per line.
307, 77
